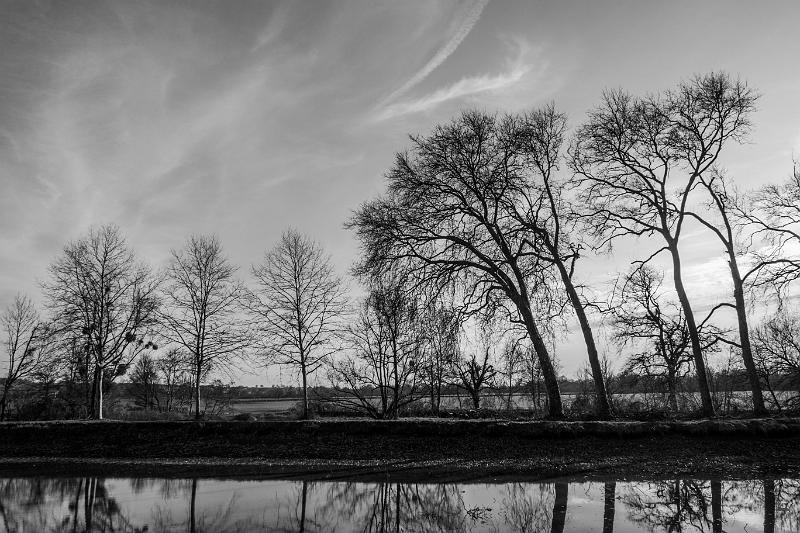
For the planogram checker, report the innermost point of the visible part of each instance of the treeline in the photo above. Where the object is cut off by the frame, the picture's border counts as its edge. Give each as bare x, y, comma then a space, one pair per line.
474, 265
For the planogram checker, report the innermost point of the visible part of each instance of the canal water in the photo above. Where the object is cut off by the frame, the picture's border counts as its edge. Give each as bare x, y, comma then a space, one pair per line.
43, 504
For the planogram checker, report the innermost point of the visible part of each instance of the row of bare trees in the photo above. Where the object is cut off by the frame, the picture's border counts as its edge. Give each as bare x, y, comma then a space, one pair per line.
496, 207
487, 219
107, 310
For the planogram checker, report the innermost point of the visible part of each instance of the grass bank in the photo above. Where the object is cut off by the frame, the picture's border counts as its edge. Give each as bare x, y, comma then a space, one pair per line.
428, 449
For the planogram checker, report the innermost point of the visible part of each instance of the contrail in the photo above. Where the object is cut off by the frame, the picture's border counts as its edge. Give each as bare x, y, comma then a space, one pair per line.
463, 27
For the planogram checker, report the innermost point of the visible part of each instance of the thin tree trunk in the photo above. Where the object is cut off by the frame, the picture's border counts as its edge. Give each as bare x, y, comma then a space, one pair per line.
197, 395
4, 400
93, 394
609, 502
305, 391
560, 508
396, 388
100, 396
697, 350
601, 396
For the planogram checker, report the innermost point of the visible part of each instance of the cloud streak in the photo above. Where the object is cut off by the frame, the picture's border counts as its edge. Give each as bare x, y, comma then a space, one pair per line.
517, 68
461, 28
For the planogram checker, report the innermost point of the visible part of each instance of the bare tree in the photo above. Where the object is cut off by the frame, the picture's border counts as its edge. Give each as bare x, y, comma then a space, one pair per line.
26, 340
100, 294
172, 368
379, 376
203, 311
513, 358
475, 372
446, 220
440, 328
299, 302
641, 316
776, 344
145, 383
725, 205
640, 158
773, 214
545, 210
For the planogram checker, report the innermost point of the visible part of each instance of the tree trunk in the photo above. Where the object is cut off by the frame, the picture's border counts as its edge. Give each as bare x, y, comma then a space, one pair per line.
476, 398
396, 387
93, 394
697, 350
305, 391
100, 396
4, 399
196, 395
603, 407
672, 392
759, 409
609, 502
555, 407
560, 508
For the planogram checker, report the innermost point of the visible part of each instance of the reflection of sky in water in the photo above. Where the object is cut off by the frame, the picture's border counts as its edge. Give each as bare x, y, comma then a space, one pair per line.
63, 504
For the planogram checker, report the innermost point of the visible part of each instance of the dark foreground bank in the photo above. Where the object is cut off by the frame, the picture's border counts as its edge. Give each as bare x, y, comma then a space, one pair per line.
432, 450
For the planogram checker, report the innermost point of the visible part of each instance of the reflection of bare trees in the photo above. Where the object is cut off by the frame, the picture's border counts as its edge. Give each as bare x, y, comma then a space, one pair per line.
609, 504
677, 505
668, 505
73, 505
38, 505
199, 519
302, 517
385, 507
531, 508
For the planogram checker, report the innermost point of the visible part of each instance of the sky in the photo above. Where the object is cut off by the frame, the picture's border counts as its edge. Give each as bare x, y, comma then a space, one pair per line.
243, 118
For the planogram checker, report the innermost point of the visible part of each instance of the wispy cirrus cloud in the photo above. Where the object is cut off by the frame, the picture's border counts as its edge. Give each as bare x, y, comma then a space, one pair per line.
523, 62
461, 26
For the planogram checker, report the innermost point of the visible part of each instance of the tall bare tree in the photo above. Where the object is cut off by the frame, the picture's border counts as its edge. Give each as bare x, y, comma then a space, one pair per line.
639, 159
547, 213
26, 342
727, 225
203, 310
446, 219
98, 292
299, 301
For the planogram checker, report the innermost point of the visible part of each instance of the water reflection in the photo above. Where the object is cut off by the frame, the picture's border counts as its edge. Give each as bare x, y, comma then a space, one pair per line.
138, 505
